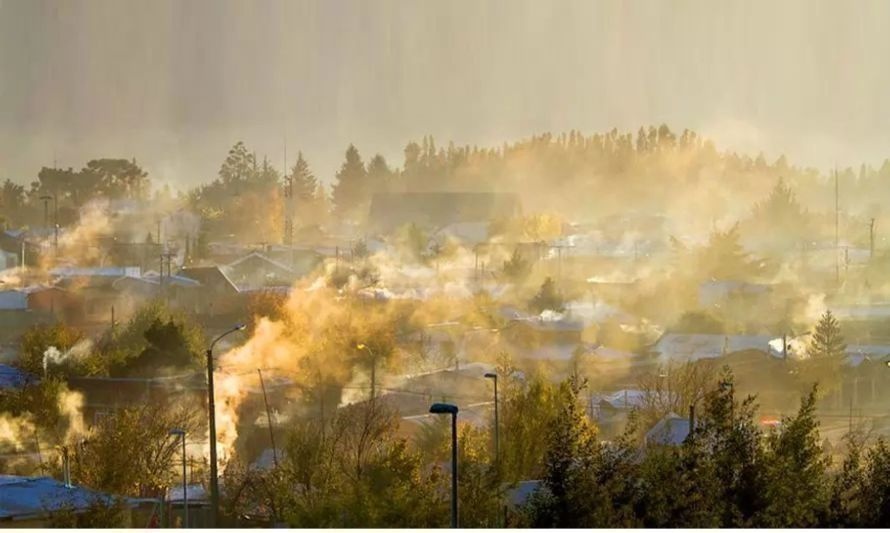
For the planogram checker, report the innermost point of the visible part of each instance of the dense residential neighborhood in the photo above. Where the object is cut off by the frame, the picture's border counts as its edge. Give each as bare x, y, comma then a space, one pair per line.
386, 264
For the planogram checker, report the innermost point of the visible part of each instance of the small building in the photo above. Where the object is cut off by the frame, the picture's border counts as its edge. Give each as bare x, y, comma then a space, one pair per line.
219, 295
13, 300
95, 285
35, 501
672, 430
681, 347
257, 271
14, 378
56, 301
198, 501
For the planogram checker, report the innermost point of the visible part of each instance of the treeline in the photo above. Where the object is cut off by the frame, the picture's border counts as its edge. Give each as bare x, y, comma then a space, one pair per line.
654, 170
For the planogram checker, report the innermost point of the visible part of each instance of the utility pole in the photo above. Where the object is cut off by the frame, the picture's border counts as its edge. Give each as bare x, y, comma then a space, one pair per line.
268, 418
56, 221
837, 266
871, 239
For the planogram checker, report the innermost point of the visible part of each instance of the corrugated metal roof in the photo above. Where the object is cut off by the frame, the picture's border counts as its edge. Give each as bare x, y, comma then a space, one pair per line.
26, 497
13, 378
13, 300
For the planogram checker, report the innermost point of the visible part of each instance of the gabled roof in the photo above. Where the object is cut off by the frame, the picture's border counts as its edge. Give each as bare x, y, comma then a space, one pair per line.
671, 430
209, 276
257, 257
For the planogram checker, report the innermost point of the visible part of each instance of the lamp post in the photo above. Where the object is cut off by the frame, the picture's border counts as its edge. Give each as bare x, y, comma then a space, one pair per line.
442, 409
497, 428
185, 494
211, 408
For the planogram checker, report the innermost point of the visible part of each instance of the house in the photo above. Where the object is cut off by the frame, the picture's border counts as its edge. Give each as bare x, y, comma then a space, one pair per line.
432, 210
672, 430
95, 286
219, 295
467, 382
56, 301
672, 347
257, 271
14, 378
13, 300
33, 501
134, 291
198, 506
15, 317
478, 415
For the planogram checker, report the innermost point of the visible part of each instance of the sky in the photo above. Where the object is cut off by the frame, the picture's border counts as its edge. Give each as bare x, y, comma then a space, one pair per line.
176, 83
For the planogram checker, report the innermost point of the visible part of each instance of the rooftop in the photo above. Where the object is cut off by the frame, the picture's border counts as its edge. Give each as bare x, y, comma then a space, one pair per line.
30, 497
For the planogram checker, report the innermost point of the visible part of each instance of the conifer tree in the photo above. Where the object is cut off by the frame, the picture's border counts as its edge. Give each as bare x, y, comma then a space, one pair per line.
350, 191
303, 182
828, 342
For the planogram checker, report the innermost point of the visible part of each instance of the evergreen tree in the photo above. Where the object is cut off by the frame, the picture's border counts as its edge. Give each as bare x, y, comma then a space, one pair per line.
827, 342
796, 468
379, 175
239, 165
569, 464
724, 257
547, 298
303, 182
350, 192
826, 351
517, 268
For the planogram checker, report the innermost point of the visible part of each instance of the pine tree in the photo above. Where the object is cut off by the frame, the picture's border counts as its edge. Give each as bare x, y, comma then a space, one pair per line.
796, 467
547, 298
303, 182
239, 165
350, 192
724, 257
569, 464
379, 175
517, 268
827, 342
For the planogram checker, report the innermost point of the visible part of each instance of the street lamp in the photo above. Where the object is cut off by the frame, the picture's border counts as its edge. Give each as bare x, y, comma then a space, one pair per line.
211, 407
185, 494
442, 409
497, 428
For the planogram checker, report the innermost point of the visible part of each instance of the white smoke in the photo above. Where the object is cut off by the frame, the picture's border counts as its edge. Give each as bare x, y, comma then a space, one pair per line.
53, 355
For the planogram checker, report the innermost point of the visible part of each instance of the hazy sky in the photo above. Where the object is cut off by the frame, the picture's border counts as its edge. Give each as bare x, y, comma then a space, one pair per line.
175, 84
